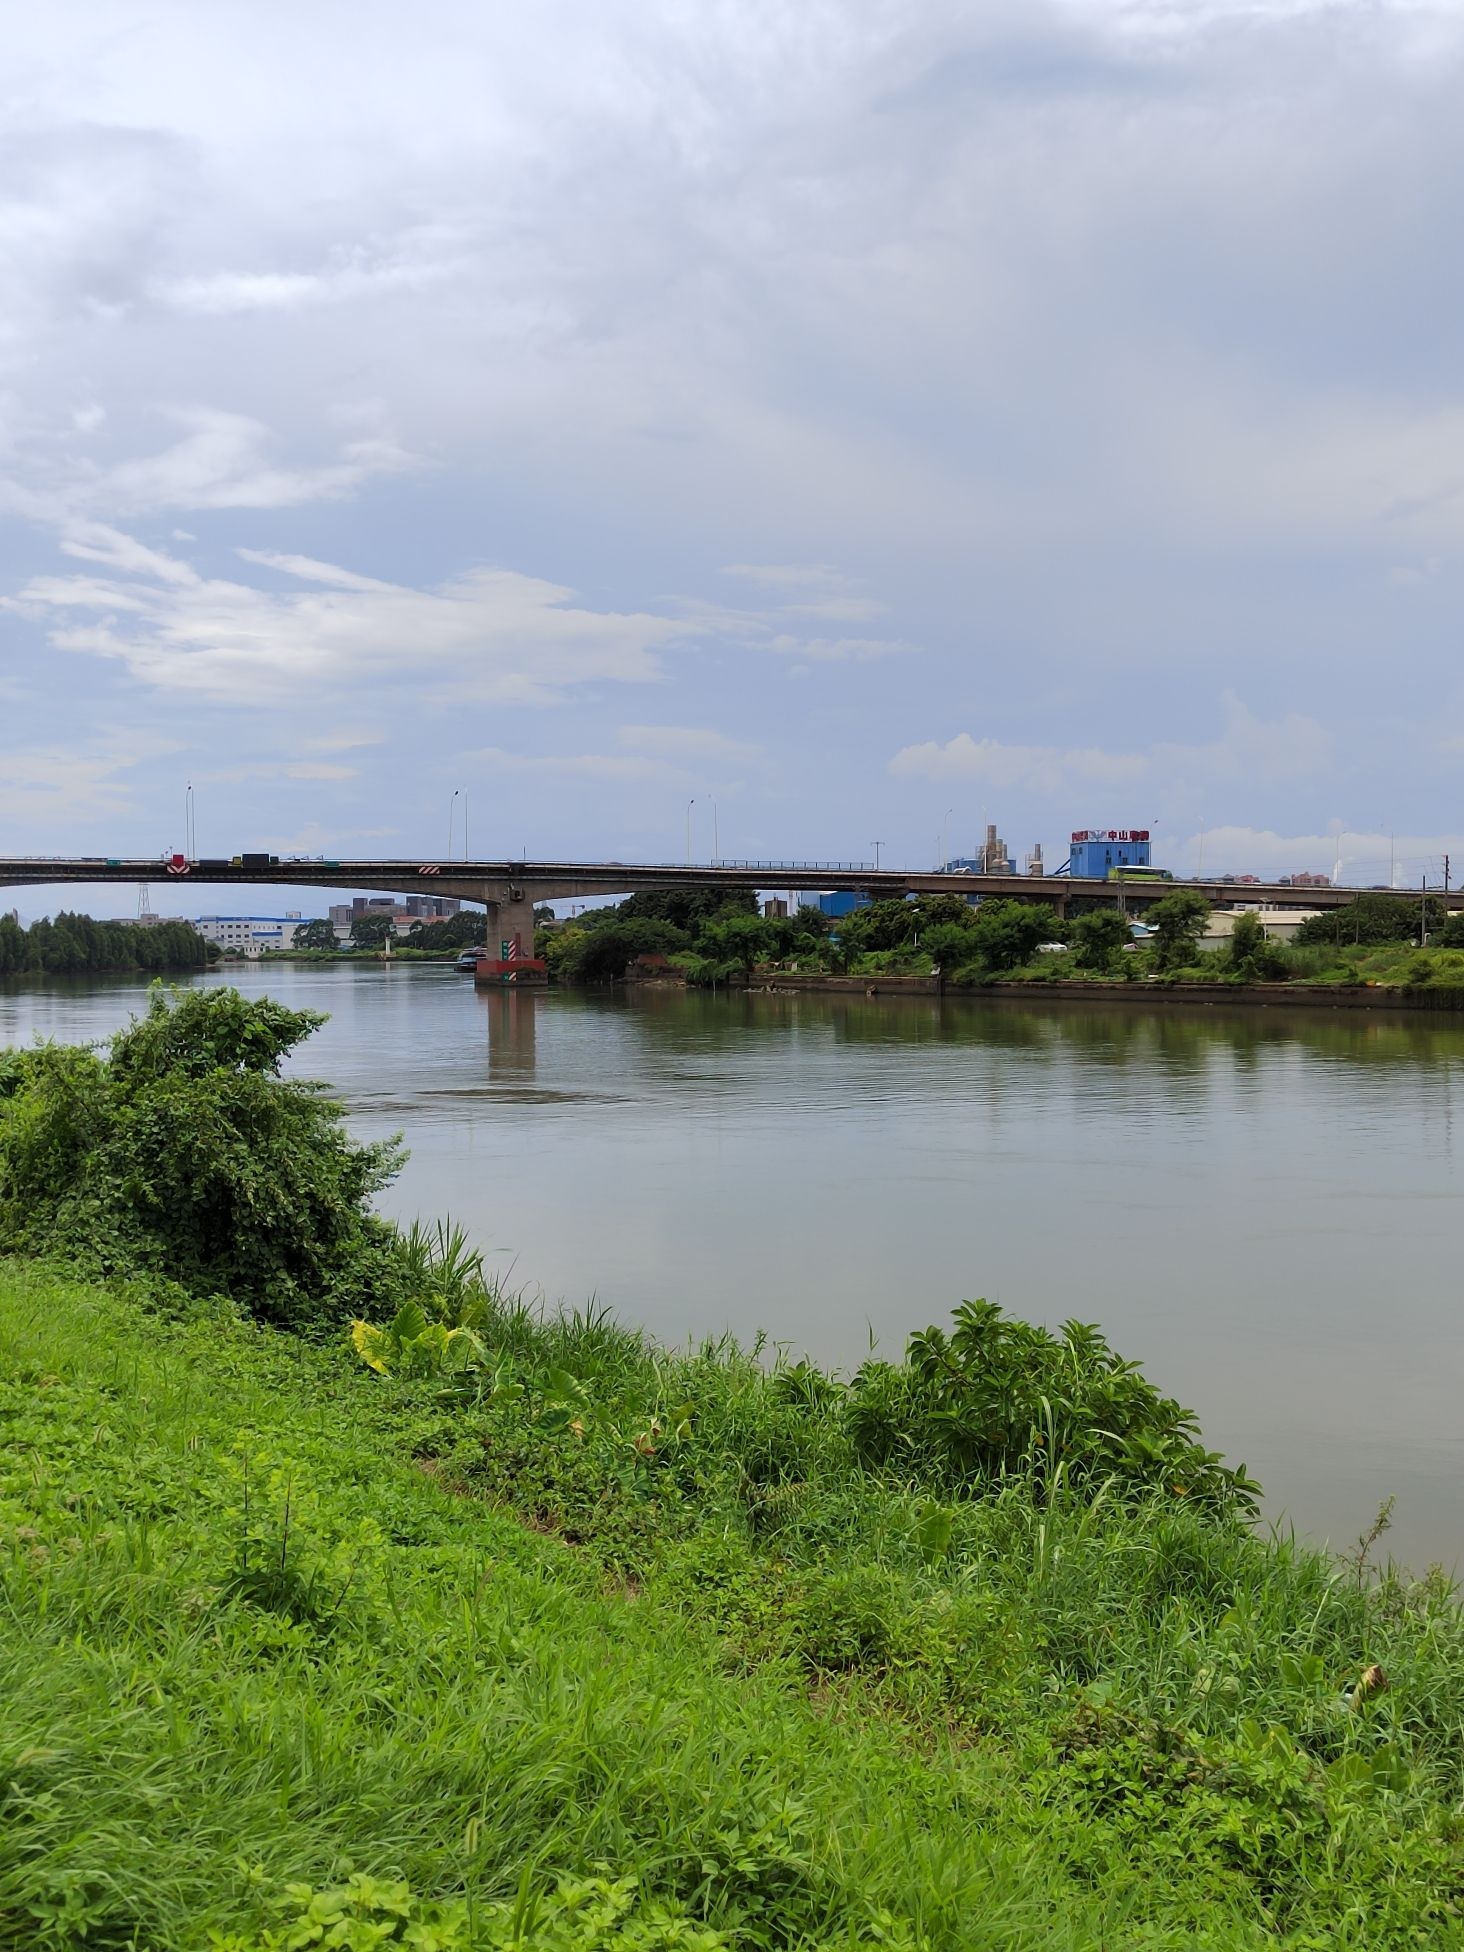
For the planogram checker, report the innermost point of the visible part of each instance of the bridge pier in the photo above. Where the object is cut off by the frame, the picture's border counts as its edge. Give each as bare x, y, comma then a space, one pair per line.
510, 917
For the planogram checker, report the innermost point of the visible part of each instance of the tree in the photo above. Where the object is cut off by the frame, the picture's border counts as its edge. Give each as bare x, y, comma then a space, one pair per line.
601, 955
877, 926
371, 929
77, 943
683, 908
1251, 953
467, 929
1005, 934
1178, 922
745, 940
1373, 918
315, 935
1100, 937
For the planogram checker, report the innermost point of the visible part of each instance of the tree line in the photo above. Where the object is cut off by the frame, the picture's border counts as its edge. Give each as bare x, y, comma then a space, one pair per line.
79, 944
716, 935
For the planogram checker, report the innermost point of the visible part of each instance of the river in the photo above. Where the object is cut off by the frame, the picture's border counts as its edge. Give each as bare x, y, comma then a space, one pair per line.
1259, 1205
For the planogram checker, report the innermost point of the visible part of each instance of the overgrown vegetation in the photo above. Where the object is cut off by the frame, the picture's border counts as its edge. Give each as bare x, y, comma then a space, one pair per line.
1372, 940
184, 1153
465, 1626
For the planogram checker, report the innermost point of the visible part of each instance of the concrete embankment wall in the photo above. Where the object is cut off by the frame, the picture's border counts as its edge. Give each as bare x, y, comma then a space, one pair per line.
1339, 996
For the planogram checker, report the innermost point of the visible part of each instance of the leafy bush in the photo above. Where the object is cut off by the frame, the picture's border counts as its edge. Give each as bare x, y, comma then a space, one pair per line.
1251, 954
998, 1398
187, 1155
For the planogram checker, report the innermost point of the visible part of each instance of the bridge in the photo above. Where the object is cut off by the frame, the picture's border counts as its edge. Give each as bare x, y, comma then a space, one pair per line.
510, 890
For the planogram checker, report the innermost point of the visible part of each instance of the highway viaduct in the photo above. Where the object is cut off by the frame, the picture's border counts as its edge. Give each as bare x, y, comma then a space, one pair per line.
510, 890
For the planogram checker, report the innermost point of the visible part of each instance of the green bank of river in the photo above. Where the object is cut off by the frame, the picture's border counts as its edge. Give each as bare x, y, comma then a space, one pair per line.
1261, 1206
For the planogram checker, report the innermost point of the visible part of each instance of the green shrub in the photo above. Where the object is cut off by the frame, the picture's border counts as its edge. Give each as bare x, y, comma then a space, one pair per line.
185, 1154
998, 1397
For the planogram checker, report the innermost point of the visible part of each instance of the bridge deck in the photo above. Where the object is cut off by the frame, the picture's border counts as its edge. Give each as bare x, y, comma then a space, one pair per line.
519, 881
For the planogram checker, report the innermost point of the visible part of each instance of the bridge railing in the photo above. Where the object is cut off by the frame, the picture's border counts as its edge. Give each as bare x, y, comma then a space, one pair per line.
775, 867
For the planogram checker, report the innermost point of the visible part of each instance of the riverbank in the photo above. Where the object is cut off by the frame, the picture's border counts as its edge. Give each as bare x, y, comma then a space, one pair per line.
278, 1621
1145, 993
418, 1620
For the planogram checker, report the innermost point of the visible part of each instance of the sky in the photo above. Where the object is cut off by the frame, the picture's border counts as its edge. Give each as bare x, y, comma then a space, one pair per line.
782, 428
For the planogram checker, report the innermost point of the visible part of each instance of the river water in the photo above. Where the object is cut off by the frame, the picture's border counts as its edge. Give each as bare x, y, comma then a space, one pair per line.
1262, 1206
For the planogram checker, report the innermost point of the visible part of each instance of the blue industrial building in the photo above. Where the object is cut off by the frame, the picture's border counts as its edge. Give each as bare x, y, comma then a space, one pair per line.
1097, 849
842, 903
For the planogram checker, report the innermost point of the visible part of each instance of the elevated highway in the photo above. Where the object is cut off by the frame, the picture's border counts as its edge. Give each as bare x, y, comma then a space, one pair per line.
510, 890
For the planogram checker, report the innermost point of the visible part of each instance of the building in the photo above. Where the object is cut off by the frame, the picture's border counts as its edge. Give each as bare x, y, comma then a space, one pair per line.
995, 857
843, 902
404, 910
250, 935
1094, 850
1305, 880
1280, 924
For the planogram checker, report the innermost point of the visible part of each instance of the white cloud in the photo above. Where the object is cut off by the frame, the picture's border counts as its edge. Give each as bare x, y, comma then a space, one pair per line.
688, 742
488, 634
1364, 858
790, 576
52, 788
1043, 769
1247, 749
608, 768
319, 769
345, 738
838, 650
222, 462
350, 276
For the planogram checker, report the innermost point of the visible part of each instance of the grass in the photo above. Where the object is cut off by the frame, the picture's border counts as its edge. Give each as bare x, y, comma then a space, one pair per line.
292, 1647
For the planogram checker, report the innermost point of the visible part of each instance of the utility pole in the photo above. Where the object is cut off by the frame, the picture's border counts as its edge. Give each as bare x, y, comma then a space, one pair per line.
1423, 914
1446, 874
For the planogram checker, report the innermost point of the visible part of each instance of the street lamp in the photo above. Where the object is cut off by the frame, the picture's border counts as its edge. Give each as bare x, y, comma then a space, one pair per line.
716, 837
945, 827
689, 805
451, 820
876, 845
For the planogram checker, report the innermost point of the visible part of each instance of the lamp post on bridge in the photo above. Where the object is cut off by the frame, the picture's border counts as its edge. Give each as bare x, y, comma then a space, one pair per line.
451, 820
876, 845
689, 805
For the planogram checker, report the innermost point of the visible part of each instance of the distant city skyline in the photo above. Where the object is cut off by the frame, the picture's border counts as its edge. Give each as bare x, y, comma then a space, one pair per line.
788, 427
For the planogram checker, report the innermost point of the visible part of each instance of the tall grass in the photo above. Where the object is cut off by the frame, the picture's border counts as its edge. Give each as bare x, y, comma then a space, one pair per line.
803, 1704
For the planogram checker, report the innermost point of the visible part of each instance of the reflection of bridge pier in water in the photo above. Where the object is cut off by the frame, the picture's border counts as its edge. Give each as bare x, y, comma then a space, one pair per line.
511, 1034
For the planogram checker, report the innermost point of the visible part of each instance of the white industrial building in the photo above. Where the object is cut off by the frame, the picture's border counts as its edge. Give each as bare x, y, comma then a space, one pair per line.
1280, 924
250, 935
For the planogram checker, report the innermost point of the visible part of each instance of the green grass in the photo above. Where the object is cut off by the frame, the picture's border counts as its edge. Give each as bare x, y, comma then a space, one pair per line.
274, 1620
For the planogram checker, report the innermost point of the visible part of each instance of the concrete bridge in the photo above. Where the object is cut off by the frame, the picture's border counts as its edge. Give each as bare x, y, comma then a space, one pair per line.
510, 890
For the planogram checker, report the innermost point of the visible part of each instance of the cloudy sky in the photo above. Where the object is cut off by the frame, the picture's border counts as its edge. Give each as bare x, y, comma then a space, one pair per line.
869, 418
